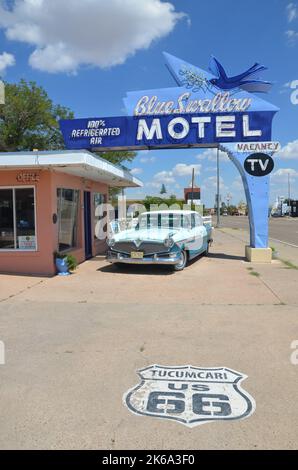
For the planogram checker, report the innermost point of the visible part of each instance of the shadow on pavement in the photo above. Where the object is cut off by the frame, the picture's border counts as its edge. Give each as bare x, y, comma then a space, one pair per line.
143, 270
226, 256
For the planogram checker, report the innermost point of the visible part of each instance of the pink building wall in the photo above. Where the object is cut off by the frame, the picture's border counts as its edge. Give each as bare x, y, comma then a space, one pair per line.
41, 261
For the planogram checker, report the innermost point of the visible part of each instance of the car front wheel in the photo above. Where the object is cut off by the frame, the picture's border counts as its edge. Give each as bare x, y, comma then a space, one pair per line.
207, 249
182, 263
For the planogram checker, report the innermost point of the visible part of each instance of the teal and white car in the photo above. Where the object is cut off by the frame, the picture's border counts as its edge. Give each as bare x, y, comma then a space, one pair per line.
162, 237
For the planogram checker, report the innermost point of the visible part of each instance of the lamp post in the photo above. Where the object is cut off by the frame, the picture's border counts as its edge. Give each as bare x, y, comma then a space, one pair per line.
217, 202
192, 186
228, 198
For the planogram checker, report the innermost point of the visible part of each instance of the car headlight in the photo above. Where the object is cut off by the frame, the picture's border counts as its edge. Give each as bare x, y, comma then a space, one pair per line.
169, 242
111, 242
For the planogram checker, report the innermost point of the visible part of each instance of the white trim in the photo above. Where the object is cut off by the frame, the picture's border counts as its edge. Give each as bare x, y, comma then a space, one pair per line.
17, 250
83, 163
14, 212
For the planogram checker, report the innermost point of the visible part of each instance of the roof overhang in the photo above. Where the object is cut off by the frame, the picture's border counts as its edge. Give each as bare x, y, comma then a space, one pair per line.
80, 163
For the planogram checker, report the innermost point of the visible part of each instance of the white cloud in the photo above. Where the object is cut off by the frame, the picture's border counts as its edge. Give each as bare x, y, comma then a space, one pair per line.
212, 182
289, 151
136, 171
211, 155
209, 186
285, 87
6, 60
210, 168
147, 159
237, 184
282, 175
71, 33
292, 36
181, 169
292, 12
165, 177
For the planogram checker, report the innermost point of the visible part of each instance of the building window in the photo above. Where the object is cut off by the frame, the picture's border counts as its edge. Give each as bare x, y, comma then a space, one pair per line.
68, 211
17, 219
99, 215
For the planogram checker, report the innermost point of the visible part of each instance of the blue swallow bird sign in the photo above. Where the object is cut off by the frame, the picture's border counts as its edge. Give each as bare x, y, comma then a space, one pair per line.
190, 395
205, 109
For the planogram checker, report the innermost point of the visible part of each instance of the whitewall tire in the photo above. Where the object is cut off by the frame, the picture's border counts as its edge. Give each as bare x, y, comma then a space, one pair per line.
181, 265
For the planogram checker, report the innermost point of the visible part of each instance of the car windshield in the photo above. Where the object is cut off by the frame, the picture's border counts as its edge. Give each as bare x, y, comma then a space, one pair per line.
167, 220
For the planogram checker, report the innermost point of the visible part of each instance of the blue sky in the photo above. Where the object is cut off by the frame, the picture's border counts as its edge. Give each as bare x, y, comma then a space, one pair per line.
88, 54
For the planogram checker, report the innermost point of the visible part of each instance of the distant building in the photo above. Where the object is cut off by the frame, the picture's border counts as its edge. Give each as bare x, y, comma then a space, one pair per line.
192, 194
294, 208
242, 208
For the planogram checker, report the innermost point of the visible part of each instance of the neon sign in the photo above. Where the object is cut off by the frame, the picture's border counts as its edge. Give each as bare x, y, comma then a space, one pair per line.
205, 108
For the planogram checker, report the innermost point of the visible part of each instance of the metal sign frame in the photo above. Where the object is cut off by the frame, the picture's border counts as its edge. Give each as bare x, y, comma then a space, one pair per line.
205, 110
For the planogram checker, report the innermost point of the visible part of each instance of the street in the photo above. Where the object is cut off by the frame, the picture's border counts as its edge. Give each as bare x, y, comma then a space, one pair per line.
282, 229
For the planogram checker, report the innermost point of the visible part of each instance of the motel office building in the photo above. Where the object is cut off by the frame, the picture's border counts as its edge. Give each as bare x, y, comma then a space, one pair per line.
49, 202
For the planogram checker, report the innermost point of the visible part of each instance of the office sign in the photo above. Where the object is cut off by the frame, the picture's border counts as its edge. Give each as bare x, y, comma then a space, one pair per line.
259, 164
190, 395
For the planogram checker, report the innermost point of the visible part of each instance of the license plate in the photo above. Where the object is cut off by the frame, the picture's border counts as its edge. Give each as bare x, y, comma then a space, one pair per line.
137, 254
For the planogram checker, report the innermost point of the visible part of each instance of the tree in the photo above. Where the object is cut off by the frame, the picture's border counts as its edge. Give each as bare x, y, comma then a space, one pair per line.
163, 189
117, 158
29, 119
232, 210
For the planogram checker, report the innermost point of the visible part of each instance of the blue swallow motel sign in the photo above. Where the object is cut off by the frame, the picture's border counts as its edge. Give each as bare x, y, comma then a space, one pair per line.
205, 109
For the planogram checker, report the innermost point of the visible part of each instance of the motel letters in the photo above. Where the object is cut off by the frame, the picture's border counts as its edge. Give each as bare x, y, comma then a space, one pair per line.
179, 127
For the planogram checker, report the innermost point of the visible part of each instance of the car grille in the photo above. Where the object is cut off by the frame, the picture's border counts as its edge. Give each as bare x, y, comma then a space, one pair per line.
148, 248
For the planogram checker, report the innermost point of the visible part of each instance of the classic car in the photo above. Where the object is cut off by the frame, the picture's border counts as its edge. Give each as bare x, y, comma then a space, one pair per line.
162, 237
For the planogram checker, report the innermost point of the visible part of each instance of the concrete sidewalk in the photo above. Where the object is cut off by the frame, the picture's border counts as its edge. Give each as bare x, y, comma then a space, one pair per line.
73, 346
222, 278
283, 251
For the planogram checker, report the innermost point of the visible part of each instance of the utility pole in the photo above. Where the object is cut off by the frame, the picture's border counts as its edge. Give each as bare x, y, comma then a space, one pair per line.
217, 205
228, 198
192, 186
289, 193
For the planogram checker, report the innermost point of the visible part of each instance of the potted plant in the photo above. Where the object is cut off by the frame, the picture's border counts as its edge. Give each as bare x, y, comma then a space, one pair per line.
65, 263
71, 262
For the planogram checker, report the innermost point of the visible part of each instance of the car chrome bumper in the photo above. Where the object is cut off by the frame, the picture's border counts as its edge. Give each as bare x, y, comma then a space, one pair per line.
119, 258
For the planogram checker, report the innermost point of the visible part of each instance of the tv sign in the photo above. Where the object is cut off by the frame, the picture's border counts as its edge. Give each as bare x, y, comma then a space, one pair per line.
259, 164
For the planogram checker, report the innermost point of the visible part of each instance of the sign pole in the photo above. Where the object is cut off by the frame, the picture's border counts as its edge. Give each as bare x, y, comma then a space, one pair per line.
217, 205
192, 185
289, 194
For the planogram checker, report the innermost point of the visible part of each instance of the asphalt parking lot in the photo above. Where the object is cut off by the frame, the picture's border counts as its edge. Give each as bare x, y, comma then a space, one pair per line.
73, 346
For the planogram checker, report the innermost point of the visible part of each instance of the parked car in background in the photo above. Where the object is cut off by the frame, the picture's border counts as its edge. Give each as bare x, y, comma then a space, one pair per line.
162, 237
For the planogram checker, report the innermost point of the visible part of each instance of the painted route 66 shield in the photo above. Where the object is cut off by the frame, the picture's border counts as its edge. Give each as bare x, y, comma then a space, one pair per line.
190, 395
